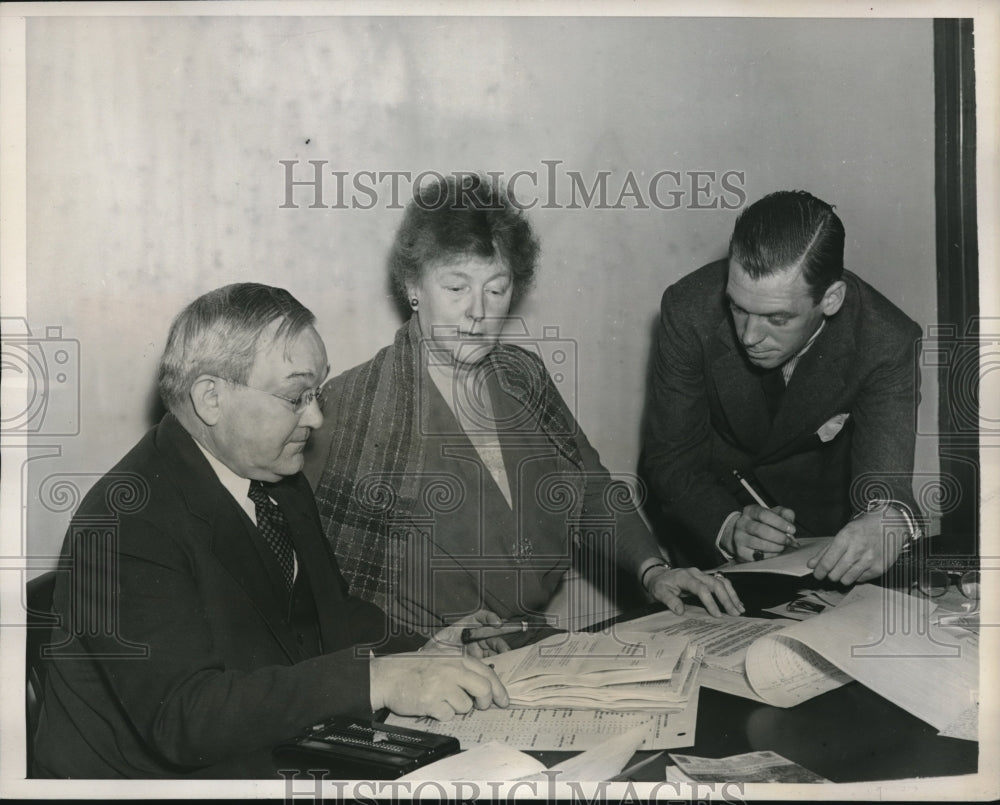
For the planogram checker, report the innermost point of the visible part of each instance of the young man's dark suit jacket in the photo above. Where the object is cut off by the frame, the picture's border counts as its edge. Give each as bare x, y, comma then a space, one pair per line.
232, 668
707, 415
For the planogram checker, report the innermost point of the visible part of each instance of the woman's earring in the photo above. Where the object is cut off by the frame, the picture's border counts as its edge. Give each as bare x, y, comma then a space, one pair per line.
414, 302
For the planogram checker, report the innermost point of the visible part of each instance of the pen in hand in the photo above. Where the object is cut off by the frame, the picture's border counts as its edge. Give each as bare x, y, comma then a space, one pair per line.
794, 543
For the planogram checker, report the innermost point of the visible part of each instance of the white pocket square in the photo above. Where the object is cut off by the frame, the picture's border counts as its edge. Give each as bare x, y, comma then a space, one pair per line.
832, 427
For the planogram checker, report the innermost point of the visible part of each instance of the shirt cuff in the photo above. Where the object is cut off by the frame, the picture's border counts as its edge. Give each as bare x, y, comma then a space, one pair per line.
722, 530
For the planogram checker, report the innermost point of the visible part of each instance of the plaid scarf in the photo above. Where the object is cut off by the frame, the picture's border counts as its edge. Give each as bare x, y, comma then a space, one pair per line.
376, 451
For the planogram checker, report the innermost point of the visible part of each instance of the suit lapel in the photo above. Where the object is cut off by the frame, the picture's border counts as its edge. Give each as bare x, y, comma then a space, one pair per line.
512, 429
816, 385
229, 529
442, 420
810, 399
814, 390
316, 563
739, 391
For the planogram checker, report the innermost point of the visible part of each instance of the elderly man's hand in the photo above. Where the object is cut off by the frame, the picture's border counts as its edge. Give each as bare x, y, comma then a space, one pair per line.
862, 550
667, 584
417, 685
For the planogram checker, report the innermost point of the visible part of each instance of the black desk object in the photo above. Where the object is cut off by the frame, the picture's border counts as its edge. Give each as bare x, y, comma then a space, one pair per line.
359, 746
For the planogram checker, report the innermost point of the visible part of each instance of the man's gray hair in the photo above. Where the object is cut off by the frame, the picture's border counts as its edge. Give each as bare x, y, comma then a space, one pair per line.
218, 334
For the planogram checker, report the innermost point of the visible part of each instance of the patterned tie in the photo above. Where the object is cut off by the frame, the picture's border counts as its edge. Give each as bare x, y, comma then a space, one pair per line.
274, 528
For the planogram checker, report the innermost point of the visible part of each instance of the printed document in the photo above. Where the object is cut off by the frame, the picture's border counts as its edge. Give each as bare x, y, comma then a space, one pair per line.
725, 639
887, 641
549, 728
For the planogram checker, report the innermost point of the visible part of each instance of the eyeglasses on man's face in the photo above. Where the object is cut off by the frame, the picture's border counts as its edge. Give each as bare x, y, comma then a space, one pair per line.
299, 404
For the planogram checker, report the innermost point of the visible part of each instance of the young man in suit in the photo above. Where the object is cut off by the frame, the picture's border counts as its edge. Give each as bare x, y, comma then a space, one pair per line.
781, 365
203, 619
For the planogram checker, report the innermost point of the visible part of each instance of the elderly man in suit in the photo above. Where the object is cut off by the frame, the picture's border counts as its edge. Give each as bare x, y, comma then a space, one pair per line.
234, 629
783, 366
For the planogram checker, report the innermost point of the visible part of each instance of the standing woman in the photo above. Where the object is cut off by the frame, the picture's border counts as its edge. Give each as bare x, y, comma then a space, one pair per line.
449, 470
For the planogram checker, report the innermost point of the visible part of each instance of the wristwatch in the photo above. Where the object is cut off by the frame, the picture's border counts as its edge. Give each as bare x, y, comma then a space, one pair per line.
914, 531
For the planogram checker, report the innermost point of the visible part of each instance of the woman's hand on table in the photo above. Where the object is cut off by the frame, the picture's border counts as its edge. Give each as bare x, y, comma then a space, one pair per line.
666, 584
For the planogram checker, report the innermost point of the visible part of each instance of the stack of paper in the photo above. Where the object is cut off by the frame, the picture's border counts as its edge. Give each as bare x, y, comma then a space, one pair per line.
725, 641
611, 671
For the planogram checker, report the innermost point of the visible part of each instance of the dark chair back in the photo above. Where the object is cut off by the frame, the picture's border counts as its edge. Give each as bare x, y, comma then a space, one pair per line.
40, 621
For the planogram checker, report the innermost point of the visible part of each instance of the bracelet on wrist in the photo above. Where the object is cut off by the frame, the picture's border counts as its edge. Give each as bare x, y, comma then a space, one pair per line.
642, 578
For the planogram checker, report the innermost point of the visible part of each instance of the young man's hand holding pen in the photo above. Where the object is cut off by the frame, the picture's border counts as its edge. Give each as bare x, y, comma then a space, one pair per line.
759, 531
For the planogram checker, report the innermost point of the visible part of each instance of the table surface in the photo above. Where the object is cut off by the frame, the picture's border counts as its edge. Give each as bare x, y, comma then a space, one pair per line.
847, 735
850, 734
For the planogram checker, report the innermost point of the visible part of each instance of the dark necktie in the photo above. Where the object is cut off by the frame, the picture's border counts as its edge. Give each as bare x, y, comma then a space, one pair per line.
274, 528
773, 383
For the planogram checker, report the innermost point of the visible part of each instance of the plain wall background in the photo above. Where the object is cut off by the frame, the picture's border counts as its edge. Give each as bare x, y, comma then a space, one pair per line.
154, 175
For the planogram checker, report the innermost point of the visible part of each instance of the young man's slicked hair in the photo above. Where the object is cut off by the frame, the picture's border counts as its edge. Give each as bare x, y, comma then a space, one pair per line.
786, 229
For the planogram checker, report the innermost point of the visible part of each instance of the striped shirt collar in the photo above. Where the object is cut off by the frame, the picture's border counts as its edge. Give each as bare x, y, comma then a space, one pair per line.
789, 366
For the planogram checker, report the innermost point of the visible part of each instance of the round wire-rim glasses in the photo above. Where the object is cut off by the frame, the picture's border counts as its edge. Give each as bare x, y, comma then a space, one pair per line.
299, 404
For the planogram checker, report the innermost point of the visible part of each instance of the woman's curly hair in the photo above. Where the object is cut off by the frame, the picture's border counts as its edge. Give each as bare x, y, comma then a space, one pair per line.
449, 220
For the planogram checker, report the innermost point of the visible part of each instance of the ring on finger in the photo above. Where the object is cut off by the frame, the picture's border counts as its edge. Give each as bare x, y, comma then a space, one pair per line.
758, 555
